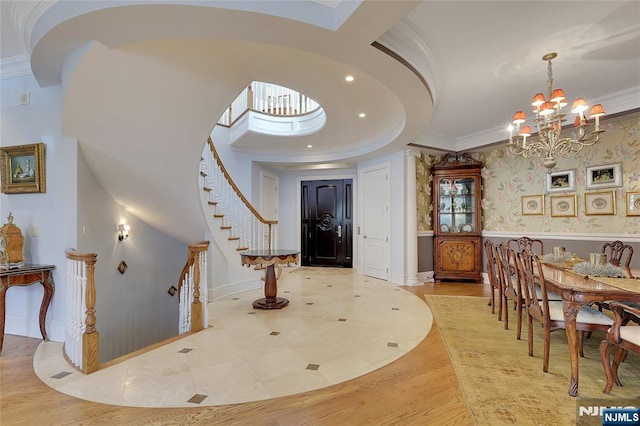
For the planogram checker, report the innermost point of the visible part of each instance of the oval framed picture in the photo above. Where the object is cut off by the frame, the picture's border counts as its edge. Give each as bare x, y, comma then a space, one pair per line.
563, 205
600, 203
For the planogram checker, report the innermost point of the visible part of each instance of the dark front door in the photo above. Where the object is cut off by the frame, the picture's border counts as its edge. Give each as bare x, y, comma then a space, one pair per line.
327, 217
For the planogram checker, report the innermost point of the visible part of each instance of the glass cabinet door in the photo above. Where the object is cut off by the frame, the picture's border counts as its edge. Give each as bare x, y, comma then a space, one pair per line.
457, 208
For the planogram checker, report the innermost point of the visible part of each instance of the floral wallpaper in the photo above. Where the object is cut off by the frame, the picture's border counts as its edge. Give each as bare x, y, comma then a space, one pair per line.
423, 191
507, 177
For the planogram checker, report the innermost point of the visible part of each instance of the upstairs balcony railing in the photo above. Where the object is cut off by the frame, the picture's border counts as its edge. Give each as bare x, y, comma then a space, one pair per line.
267, 98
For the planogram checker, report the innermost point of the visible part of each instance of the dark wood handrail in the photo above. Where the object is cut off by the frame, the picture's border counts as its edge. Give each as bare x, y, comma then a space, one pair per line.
235, 187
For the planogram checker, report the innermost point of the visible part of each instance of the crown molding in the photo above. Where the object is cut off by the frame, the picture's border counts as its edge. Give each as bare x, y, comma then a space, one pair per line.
406, 41
15, 66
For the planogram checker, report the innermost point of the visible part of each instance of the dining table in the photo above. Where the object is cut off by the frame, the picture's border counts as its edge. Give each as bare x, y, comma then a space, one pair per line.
578, 290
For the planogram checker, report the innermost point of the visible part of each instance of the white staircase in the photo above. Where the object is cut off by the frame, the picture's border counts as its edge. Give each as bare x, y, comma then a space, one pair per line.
234, 223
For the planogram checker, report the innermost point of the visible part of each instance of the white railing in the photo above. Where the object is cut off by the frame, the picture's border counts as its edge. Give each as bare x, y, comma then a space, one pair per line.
192, 290
269, 99
81, 337
244, 222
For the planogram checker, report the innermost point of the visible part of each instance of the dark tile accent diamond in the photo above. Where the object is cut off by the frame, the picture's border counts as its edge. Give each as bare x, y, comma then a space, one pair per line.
274, 333
309, 303
330, 285
61, 375
236, 298
185, 350
313, 367
392, 345
356, 295
395, 309
251, 313
197, 398
342, 319
286, 291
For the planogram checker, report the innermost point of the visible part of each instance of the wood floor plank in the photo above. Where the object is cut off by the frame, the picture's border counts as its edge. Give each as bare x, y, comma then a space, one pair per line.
420, 388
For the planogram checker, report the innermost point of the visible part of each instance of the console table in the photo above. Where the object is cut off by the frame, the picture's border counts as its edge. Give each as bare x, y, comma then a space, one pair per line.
25, 276
269, 258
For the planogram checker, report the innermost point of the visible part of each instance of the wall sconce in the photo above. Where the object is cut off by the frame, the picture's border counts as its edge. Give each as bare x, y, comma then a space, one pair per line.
123, 231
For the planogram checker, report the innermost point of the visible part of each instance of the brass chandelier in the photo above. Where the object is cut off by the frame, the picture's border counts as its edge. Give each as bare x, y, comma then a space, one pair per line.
549, 117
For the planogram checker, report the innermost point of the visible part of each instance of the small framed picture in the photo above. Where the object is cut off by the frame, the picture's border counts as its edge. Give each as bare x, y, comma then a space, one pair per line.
605, 176
561, 181
600, 203
532, 204
22, 169
563, 205
633, 203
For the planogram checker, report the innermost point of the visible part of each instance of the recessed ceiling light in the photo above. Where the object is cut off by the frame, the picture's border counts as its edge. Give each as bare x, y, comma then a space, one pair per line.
309, 146
349, 78
362, 115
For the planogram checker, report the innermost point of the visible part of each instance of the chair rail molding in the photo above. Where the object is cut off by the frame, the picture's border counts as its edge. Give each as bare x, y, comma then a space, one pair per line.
564, 236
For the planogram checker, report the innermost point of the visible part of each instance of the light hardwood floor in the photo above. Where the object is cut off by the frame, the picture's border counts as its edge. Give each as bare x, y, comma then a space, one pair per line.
420, 388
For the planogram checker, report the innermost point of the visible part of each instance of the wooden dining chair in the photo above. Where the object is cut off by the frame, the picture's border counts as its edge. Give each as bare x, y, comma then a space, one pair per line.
526, 243
492, 272
511, 284
621, 337
549, 312
618, 253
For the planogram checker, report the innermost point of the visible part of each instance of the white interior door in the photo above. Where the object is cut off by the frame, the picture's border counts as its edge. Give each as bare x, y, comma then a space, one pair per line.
375, 221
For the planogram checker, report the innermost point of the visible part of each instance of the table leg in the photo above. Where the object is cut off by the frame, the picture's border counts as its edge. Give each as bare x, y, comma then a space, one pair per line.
270, 301
570, 310
47, 283
3, 293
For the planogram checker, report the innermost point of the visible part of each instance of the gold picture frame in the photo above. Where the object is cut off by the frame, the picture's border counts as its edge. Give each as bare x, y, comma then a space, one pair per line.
563, 205
532, 205
600, 203
23, 169
633, 203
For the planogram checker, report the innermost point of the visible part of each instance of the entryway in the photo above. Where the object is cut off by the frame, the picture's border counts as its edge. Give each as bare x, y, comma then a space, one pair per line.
327, 223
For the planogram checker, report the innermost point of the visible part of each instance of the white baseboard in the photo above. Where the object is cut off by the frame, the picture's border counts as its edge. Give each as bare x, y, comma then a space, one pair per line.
30, 327
425, 277
235, 288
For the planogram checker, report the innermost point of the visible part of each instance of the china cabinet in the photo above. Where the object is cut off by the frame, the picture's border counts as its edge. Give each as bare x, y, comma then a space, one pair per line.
457, 192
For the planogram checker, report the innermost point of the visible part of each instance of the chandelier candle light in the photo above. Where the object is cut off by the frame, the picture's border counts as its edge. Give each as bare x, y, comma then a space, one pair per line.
548, 120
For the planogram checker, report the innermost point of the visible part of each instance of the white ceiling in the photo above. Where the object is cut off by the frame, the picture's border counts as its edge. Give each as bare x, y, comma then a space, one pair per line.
481, 60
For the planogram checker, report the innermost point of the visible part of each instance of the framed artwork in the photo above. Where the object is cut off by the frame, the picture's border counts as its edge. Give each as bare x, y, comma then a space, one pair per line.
532, 204
605, 176
633, 203
22, 168
561, 181
563, 205
600, 203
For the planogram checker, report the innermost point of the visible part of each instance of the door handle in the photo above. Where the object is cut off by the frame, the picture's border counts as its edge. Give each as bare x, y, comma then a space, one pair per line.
339, 231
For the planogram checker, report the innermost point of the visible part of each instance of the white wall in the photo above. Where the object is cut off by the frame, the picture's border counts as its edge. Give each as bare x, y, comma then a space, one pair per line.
54, 212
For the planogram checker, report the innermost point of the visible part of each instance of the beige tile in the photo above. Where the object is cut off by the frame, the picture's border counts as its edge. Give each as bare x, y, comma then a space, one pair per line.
237, 359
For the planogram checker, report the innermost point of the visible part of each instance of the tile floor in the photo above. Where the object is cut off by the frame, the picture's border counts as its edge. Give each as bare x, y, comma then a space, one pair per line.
338, 326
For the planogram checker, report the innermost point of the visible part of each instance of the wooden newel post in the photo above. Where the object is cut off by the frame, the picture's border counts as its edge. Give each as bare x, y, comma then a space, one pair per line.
90, 338
196, 305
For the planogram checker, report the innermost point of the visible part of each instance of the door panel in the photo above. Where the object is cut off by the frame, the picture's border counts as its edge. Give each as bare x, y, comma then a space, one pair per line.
375, 223
326, 223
